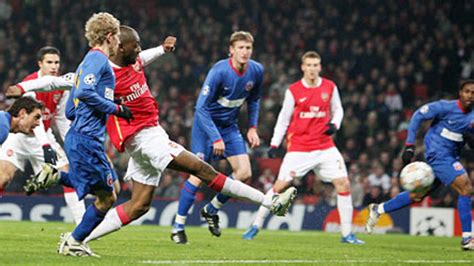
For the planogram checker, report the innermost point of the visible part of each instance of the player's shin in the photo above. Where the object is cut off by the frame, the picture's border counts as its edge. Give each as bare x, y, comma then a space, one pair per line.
263, 212
76, 206
186, 200
235, 188
217, 202
345, 209
113, 221
465, 215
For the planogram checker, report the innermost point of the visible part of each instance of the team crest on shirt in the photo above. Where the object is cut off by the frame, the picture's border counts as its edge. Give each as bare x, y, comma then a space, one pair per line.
325, 96
249, 86
56, 98
89, 79
9, 152
457, 166
110, 180
292, 173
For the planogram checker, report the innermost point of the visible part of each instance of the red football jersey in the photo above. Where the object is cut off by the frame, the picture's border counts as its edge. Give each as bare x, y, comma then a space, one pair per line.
312, 111
131, 88
49, 99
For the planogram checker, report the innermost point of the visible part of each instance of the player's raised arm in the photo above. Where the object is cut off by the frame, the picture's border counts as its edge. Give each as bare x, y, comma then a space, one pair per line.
149, 55
208, 92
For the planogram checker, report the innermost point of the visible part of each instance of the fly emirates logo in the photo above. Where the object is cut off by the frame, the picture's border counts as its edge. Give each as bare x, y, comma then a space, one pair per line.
137, 91
313, 113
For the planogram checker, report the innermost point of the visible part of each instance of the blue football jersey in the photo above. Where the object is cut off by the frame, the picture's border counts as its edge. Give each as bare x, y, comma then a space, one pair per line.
91, 98
445, 135
5, 119
223, 93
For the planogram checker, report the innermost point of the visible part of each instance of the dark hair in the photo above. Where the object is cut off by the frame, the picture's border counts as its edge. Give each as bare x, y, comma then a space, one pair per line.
46, 50
27, 103
466, 82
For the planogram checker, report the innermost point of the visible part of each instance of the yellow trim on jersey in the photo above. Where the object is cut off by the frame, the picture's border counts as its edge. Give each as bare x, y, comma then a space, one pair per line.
119, 131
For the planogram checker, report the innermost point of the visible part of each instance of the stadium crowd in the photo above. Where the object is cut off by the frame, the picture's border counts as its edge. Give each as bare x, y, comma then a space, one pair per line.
388, 58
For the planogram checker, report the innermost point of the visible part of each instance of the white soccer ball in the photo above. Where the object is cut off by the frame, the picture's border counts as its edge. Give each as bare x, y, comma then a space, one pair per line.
417, 177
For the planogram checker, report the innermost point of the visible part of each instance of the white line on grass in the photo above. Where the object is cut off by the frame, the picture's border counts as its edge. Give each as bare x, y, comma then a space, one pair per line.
302, 261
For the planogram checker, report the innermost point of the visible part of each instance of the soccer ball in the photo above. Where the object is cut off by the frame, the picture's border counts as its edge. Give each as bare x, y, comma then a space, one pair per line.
417, 177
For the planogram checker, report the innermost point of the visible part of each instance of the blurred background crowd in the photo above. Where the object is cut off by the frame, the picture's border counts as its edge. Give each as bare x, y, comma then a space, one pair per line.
388, 58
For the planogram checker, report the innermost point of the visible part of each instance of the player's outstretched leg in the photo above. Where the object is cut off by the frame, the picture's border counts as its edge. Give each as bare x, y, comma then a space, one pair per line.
47, 177
282, 202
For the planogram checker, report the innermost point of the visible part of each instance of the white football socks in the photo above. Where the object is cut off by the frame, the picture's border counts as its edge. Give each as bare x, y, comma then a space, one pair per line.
345, 209
76, 206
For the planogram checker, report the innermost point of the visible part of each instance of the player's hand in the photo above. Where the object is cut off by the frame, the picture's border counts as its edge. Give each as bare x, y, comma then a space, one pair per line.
218, 148
50, 155
169, 44
253, 137
331, 129
273, 152
125, 113
13, 92
408, 154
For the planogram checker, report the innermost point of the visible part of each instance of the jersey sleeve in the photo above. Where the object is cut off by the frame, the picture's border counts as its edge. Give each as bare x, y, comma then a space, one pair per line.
40, 134
284, 119
426, 112
337, 112
60, 120
86, 85
203, 116
149, 55
48, 83
4, 128
253, 101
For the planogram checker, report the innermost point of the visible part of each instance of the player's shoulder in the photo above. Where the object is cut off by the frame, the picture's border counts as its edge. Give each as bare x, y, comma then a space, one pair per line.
221, 64
31, 76
328, 82
256, 65
96, 56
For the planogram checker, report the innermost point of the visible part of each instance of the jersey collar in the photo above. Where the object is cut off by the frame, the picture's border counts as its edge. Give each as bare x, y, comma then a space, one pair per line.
458, 102
237, 71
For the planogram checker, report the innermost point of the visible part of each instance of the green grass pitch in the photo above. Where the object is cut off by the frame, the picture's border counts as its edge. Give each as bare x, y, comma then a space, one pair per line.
33, 243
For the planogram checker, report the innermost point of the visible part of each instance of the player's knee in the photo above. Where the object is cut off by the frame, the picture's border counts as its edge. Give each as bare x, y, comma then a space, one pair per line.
4, 180
242, 174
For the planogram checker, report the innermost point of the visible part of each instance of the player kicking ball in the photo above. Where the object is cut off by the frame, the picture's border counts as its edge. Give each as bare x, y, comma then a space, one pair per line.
453, 122
150, 149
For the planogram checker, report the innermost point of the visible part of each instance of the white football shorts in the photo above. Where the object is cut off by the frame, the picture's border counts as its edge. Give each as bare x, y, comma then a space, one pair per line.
150, 152
326, 164
19, 148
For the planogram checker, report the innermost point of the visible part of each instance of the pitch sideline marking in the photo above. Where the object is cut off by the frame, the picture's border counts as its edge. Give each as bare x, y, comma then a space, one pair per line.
300, 261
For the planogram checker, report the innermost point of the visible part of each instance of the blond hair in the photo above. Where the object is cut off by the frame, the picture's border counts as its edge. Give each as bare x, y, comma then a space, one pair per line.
99, 26
310, 54
240, 36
